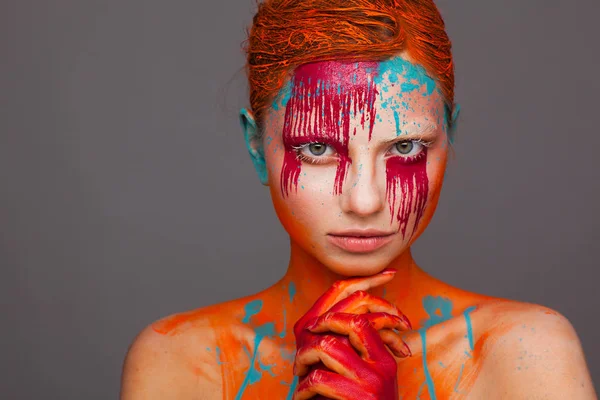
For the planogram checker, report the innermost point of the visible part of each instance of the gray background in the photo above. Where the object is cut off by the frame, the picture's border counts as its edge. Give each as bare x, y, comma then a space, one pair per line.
127, 193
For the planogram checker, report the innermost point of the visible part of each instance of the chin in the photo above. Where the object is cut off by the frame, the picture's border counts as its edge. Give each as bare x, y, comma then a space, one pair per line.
357, 265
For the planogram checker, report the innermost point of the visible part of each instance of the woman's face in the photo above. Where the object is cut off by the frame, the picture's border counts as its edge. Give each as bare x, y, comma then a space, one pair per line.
355, 155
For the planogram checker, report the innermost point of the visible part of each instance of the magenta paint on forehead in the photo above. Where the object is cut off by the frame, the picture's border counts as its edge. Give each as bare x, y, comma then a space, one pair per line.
324, 97
410, 180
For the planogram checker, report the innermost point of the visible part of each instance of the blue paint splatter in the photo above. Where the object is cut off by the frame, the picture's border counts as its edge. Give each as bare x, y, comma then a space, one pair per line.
432, 306
266, 368
428, 378
252, 309
398, 66
283, 330
292, 388
467, 313
218, 350
283, 97
253, 375
292, 291
462, 369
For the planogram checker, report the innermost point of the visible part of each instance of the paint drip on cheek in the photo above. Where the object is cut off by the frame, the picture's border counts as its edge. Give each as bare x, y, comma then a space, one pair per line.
325, 98
410, 183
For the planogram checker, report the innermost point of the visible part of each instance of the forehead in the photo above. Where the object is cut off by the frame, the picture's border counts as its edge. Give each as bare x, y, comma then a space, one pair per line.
393, 91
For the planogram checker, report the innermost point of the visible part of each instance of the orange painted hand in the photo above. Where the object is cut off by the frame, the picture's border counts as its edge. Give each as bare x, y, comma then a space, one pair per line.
343, 340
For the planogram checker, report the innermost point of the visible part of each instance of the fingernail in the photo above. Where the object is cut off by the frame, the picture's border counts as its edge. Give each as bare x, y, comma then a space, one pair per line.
407, 349
407, 321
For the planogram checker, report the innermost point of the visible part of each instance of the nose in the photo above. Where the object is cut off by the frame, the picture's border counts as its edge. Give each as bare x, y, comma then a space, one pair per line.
361, 194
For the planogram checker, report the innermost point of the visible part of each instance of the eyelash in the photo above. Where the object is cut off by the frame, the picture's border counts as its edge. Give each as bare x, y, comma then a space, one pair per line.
321, 160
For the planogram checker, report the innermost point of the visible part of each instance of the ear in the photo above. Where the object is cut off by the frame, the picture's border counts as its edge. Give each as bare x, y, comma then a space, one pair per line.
254, 144
453, 123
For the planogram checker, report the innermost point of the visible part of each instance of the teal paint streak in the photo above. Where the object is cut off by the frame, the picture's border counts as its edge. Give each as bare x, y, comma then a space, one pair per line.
467, 314
218, 351
434, 304
253, 375
397, 119
462, 369
420, 392
251, 309
293, 386
292, 291
283, 97
283, 330
428, 378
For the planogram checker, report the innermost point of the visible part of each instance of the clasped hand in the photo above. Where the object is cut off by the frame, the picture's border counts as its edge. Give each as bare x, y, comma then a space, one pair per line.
343, 340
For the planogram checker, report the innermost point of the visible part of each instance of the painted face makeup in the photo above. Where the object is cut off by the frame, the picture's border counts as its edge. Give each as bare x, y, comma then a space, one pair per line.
324, 98
321, 101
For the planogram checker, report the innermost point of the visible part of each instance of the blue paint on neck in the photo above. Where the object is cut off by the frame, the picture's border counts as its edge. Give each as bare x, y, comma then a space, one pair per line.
251, 309
292, 291
428, 378
439, 310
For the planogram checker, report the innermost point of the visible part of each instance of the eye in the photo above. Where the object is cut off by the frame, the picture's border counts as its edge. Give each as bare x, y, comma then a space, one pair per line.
315, 152
408, 148
405, 147
317, 149
409, 151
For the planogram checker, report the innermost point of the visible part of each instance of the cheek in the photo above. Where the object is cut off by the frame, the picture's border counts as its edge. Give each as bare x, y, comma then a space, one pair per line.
407, 189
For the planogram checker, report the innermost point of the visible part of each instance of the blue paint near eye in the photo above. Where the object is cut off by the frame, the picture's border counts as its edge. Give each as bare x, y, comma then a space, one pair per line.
253, 375
283, 97
428, 378
439, 310
397, 119
467, 314
251, 309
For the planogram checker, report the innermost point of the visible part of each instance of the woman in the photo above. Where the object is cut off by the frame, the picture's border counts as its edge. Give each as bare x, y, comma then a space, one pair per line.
351, 121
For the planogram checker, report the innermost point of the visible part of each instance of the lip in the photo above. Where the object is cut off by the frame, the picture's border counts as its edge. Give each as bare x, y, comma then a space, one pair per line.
360, 240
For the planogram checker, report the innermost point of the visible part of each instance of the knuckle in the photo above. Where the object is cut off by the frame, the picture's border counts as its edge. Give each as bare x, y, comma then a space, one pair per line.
315, 377
327, 342
359, 321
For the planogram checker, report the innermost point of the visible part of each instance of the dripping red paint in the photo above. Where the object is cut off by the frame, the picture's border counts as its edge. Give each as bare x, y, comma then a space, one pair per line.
411, 179
324, 94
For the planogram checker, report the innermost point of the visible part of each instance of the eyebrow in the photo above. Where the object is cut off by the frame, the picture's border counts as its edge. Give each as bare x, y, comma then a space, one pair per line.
425, 131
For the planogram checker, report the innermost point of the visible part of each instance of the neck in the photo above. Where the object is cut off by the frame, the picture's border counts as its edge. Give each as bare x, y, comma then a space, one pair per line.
311, 279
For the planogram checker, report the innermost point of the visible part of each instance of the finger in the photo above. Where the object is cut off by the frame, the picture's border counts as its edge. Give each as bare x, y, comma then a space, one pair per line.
384, 323
362, 335
331, 321
336, 355
362, 302
340, 290
330, 385
394, 342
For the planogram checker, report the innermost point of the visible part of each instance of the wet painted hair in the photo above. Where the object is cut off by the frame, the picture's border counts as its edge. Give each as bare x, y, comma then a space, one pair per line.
288, 33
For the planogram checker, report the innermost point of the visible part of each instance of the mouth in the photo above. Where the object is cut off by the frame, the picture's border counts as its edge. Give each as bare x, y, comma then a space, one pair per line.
360, 241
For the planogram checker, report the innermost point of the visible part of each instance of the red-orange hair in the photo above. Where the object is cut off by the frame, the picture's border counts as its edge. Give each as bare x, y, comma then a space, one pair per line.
289, 33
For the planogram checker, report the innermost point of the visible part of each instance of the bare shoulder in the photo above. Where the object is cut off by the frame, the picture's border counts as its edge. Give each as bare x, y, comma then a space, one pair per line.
531, 352
174, 357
